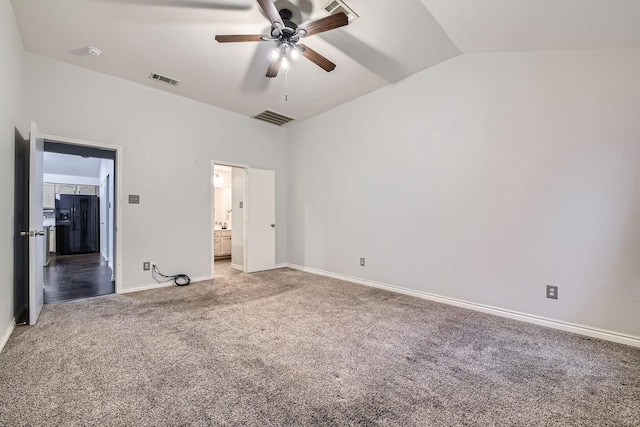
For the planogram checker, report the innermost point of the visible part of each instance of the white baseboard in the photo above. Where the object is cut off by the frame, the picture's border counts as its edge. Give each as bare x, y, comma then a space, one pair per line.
282, 265
543, 321
159, 285
237, 267
7, 335
146, 287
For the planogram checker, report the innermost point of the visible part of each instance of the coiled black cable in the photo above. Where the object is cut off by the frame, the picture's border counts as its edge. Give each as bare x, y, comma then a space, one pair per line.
178, 279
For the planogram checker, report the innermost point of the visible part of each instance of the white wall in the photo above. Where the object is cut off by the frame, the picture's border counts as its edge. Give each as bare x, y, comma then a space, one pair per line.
168, 145
222, 197
11, 84
484, 178
237, 230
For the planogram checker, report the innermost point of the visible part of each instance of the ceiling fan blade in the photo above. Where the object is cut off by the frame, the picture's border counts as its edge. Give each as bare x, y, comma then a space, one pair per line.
317, 59
325, 24
271, 11
274, 67
239, 38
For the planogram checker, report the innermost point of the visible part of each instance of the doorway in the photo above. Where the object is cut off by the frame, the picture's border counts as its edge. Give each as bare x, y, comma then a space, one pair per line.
78, 212
228, 220
246, 203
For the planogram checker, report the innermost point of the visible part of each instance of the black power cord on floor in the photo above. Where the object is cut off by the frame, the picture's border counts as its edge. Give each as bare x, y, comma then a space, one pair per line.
178, 279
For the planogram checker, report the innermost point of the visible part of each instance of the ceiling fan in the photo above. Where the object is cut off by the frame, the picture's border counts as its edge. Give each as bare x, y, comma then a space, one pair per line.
287, 34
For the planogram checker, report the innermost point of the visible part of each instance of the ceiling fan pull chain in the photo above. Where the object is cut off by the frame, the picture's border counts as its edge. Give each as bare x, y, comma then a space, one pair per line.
286, 85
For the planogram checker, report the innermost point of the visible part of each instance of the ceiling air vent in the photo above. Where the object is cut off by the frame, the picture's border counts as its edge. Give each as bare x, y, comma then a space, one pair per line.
165, 79
273, 118
337, 6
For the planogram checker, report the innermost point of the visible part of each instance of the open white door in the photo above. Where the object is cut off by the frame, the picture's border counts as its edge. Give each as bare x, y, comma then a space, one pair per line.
261, 220
36, 232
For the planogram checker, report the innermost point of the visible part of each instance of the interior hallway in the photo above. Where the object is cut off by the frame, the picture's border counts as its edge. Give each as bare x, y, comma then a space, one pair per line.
69, 277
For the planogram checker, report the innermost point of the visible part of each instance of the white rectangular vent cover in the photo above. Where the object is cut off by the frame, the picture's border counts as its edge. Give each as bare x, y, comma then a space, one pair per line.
165, 79
273, 118
337, 6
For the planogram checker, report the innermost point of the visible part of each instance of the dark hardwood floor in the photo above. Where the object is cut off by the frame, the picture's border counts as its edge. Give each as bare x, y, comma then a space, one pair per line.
70, 277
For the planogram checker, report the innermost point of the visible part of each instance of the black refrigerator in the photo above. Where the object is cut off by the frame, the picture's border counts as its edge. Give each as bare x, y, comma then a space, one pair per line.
77, 224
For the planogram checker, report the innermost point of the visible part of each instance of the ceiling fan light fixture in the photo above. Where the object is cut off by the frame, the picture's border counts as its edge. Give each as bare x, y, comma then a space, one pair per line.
286, 34
274, 55
294, 53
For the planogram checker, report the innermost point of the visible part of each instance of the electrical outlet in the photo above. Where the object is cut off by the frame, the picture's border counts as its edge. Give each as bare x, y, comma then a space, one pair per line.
552, 292
146, 266
134, 199
362, 262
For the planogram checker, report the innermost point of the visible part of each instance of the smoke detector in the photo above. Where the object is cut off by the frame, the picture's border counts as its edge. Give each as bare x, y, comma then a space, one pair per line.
94, 51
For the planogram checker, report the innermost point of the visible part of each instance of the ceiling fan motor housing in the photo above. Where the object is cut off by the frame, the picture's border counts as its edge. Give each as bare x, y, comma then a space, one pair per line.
289, 26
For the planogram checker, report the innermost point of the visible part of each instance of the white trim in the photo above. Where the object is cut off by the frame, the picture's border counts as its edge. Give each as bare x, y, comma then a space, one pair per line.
159, 285
212, 219
146, 287
529, 318
282, 265
7, 335
237, 267
230, 164
118, 197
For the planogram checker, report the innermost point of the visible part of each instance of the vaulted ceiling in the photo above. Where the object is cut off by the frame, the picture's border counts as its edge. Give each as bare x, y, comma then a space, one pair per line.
389, 41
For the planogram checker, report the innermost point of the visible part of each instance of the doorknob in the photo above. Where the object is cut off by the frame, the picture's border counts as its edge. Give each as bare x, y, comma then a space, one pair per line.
32, 233
273, 226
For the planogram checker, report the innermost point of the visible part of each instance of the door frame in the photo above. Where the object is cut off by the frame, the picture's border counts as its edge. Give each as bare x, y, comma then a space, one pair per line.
212, 215
117, 232
107, 219
36, 227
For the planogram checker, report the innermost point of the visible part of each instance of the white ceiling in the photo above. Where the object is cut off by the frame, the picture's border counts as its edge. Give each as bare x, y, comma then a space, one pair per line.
67, 164
390, 40
523, 25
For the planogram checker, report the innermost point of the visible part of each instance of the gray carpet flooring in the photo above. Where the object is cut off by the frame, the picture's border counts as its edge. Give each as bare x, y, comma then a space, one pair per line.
289, 348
